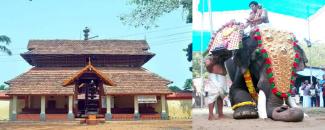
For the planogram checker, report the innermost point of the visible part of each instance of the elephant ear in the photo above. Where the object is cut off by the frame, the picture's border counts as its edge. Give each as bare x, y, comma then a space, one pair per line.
244, 56
302, 57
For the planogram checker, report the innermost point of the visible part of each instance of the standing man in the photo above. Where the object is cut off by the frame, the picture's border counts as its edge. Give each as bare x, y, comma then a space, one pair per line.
295, 95
313, 93
322, 88
318, 92
215, 86
306, 95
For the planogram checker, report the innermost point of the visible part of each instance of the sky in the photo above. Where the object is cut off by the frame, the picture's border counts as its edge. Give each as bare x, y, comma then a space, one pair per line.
23, 20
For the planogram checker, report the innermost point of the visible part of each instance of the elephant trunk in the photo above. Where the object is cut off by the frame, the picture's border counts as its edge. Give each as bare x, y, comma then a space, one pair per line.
277, 111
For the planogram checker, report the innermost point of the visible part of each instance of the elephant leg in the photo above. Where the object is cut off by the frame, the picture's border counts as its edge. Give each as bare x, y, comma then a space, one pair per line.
279, 112
244, 111
239, 94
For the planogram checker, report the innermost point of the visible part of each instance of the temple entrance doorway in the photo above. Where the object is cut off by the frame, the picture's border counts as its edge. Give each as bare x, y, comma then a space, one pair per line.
88, 95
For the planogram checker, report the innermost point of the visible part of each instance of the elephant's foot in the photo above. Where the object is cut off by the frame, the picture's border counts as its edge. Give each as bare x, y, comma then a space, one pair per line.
245, 112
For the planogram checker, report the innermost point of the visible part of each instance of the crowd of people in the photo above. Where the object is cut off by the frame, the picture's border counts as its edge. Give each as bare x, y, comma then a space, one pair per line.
310, 95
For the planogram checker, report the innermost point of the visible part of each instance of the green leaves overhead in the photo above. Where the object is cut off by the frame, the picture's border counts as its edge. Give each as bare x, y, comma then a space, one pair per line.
146, 12
3, 48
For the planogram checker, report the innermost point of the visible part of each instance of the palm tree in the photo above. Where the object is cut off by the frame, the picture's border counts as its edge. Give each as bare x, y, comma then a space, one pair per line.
3, 48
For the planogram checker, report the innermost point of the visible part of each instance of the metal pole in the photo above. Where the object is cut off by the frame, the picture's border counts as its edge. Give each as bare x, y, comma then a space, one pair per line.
201, 51
311, 73
210, 14
211, 33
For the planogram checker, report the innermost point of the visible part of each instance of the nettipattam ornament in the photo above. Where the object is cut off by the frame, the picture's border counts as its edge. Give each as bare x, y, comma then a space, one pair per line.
279, 49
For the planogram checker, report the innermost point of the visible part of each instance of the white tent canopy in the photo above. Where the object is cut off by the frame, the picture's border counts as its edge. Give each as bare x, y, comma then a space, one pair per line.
315, 72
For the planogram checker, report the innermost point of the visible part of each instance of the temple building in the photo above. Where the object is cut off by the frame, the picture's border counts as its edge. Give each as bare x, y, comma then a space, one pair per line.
73, 78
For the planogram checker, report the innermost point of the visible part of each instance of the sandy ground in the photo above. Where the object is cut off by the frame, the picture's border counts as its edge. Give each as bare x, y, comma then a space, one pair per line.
111, 125
315, 121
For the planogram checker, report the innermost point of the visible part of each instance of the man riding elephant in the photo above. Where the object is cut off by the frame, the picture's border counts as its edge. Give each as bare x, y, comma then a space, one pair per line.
257, 16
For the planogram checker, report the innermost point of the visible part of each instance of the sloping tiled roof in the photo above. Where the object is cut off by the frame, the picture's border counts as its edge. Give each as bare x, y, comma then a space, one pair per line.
89, 67
119, 47
49, 81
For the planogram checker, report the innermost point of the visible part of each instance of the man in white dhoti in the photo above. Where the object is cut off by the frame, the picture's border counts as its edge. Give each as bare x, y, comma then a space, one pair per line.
215, 87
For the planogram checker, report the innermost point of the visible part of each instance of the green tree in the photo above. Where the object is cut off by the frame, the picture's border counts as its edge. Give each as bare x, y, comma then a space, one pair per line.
315, 54
174, 88
188, 51
189, 54
6, 40
146, 12
2, 87
196, 63
188, 85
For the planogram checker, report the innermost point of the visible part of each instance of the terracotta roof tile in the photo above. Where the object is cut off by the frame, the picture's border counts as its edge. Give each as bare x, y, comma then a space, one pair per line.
49, 80
124, 47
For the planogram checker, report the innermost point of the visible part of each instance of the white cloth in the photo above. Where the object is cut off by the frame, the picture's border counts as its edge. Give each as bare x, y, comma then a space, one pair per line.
306, 101
249, 29
301, 93
215, 87
297, 98
198, 85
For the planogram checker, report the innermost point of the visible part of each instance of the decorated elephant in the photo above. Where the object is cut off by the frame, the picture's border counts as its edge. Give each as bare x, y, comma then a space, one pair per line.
262, 67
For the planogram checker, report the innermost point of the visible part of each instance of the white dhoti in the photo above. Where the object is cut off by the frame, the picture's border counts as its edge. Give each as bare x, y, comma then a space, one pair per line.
306, 101
215, 87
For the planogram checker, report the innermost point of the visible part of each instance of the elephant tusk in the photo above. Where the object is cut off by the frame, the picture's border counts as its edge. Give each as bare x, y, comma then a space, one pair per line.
261, 106
284, 102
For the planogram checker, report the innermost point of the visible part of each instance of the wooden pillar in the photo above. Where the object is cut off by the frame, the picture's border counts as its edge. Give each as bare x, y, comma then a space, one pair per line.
42, 114
26, 101
108, 115
75, 99
70, 106
136, 108
164, 115
14, 108
29, 101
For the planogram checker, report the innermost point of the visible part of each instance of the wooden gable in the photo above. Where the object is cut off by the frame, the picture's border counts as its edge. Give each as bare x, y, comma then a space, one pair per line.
89, 68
